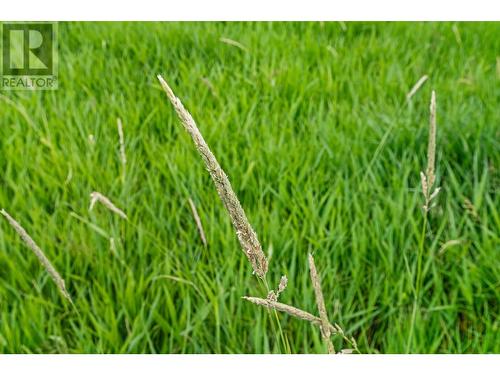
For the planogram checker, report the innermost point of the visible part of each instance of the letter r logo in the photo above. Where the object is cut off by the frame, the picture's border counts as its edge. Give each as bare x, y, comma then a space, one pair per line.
27, 49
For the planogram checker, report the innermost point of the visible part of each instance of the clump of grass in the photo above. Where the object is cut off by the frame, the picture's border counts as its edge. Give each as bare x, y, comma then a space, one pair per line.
246, 235
106, 202
58, 280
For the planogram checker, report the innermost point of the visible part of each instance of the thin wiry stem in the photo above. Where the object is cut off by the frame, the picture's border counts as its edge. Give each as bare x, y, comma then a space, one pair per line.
39, 254
197, 220
320, 301
246, 235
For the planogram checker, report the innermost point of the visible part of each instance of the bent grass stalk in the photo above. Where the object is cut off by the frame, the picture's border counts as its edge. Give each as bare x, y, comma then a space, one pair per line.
58, 280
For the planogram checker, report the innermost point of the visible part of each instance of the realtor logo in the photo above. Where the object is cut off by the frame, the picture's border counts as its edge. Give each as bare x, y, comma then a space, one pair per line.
29, 58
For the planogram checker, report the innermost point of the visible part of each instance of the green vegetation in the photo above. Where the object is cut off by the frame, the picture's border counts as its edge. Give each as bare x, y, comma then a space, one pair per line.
311, 123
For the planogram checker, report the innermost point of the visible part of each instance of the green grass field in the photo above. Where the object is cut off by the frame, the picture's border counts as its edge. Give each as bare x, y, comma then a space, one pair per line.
311, 123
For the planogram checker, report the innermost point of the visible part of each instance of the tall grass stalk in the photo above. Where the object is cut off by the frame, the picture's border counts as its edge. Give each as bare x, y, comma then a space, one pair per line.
244, 231
246, 235
248, 238
427, 181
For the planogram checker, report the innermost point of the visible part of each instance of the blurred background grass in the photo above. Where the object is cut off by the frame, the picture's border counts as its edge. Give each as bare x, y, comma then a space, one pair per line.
311, 124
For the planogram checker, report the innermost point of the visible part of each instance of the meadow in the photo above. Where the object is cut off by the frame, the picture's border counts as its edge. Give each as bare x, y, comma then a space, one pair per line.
312, 124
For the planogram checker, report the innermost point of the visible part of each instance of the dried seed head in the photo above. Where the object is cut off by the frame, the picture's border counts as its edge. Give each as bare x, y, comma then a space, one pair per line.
301, 314
39, 254
320, 301
271, 296
429, 177
244, 231
416, 87
425, 187
98, 197
234, 43
283, 284
431, 149
295, 312
197, 220
121, 137
471, 209
434, 194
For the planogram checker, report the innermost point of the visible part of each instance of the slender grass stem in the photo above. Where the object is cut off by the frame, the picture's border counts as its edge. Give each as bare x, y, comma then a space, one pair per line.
277, 329
418, 284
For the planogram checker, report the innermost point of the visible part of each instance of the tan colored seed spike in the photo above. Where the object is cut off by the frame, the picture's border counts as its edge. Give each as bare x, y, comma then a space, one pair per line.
246, 235
429, 177
121, 138
417, 86
274, 295
98, 197
291, 310
431, 149
320, 301
39, 254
